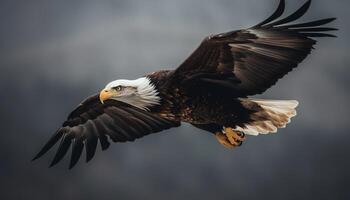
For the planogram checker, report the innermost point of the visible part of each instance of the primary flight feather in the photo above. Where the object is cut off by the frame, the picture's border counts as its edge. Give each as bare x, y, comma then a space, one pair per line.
209, 90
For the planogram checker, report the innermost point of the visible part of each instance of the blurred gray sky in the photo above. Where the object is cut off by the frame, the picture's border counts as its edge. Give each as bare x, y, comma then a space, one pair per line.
55, 53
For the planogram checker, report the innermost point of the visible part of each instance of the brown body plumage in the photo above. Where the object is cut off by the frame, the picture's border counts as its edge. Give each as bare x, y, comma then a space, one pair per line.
196, 106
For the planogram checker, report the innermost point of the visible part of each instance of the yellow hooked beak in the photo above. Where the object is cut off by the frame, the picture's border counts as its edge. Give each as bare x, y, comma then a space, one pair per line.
105, 94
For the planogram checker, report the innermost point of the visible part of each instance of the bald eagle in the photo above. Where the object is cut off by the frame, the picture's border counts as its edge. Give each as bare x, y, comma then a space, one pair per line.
209, 90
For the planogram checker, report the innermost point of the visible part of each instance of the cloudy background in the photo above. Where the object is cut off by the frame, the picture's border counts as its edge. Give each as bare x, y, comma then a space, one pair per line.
55, 53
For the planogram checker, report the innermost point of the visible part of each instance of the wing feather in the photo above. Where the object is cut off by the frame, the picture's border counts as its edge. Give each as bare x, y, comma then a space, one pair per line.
77, 149
294, 16
249, 61
92, 121
278, 13
52, 141
312, 23
62, 149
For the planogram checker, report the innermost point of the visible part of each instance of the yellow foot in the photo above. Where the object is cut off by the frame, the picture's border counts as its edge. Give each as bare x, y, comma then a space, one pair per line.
223, 140
235, 137
231, 138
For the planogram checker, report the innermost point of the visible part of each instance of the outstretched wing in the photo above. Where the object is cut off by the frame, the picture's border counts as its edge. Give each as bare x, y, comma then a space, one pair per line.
92, 121
250, 61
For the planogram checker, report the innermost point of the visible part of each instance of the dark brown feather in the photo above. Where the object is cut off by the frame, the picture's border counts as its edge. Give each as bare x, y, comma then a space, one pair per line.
257, 57
52, 141
62, 149
92, 121
77, 149
296, 15
312, 23
278, 13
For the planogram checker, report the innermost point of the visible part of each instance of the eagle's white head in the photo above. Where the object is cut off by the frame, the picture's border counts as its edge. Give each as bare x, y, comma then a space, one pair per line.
140, 93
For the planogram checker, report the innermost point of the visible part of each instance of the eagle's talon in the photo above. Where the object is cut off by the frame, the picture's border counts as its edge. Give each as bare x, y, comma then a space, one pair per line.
222, 139
235, 137
230, 138
241, 134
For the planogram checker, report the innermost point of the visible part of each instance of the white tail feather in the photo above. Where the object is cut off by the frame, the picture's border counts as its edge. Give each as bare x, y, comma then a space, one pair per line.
274, 114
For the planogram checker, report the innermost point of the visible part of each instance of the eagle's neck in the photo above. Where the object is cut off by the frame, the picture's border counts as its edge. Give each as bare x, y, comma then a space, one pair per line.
146, 95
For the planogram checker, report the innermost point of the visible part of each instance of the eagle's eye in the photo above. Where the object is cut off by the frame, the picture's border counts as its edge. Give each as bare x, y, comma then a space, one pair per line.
118, 88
